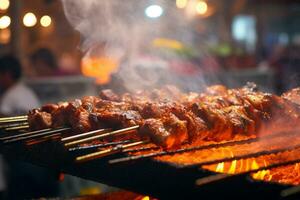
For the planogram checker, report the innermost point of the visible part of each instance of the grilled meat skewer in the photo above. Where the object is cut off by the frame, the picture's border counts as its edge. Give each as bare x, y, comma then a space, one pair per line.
218, 114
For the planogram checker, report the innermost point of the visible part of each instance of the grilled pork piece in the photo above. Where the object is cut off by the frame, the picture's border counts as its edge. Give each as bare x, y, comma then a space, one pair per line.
217, 114
292, 95
39, 119
168, 131
109, 95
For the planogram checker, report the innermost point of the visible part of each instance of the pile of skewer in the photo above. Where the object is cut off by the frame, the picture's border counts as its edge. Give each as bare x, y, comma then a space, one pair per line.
15, 129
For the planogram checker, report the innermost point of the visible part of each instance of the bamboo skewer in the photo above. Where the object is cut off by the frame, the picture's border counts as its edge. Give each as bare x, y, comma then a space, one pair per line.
42, 139
120, 131
25, 134
14, 120
26, 137
141, 149
4, 126
17, 128
100, 145
109, 151
84, 134
9, 119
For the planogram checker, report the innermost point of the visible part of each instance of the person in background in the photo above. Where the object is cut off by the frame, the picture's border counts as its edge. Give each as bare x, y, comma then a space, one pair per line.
16, 98
45, 64
23, 180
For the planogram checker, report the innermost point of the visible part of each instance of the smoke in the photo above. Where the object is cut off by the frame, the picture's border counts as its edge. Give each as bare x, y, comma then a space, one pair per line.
120, 30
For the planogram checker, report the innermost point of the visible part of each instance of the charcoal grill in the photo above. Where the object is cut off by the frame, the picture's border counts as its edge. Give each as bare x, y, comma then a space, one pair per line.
146, 176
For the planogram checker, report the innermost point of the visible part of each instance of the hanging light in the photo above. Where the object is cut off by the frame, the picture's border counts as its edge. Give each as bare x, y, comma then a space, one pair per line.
4, 22
4, 4
181, 3
46, 21
201, 7
154, 11
29, 20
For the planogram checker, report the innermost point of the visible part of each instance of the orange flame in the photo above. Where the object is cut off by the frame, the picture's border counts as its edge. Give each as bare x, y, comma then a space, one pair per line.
99, 68
232, 167
254, 165
220, 167
146, 198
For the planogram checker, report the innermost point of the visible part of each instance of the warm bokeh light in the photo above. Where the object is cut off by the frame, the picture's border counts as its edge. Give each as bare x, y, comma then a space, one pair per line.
167, 43
201, 7
181, 3
29, 20
4, 4
46, 21
4, 22
5, 35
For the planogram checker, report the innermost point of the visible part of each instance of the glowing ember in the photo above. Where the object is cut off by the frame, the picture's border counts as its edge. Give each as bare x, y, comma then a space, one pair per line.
220, 167
232, 167
284, 175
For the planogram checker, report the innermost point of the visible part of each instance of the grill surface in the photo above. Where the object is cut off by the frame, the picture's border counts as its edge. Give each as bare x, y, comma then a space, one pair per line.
146, 176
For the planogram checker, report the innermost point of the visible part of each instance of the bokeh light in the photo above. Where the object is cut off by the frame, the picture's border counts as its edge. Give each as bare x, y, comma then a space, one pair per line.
29, 20
46, 21
154, 11
201, 7
181, 3
4, 22
4, 4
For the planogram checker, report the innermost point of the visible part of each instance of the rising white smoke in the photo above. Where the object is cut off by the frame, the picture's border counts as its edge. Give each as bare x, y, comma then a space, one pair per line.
120, 29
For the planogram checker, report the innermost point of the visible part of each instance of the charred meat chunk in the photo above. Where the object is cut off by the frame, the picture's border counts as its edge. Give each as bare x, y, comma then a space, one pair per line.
109, 95
39, 120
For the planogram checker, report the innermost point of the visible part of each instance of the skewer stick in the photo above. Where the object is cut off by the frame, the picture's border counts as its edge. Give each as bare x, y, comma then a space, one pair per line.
109, 151
17, 128
121, 131
12, 125
100, 145
43, 139
85, 134
7, 119
25, 134
14, 120
141, 149
36, 135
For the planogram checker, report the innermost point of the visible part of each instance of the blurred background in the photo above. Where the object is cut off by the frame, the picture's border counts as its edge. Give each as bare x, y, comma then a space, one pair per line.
228, 41
71, 48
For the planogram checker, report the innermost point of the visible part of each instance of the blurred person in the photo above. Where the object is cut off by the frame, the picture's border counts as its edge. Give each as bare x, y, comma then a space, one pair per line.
16, 98
22, 180
45, 63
